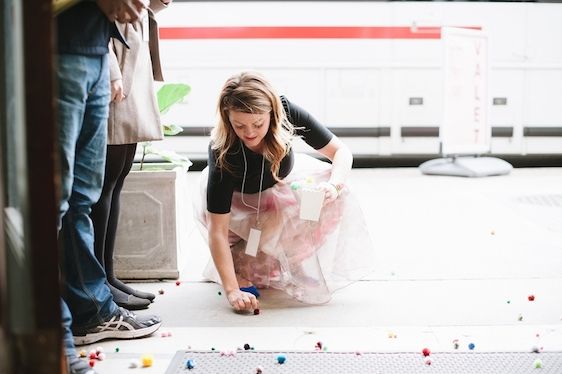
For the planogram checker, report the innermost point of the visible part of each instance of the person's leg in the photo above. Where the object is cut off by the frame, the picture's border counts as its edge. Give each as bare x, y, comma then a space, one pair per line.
83, 110
126, 156
101, 215
71, 108
74, 364
68, 341
101, 209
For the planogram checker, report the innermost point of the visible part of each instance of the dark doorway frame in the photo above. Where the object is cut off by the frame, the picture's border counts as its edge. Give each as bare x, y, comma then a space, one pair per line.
30, 316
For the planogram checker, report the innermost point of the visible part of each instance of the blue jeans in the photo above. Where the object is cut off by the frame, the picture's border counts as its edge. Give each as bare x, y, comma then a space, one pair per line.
83, 105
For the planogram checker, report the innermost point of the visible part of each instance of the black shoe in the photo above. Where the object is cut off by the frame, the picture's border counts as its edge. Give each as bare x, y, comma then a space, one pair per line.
127, 301
129, 290
121, 325
78, 366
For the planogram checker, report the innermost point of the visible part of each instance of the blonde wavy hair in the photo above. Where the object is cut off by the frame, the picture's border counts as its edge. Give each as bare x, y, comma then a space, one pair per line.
249, 92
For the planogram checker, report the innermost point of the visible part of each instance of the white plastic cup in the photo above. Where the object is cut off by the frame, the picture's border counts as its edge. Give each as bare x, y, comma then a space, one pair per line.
311, 204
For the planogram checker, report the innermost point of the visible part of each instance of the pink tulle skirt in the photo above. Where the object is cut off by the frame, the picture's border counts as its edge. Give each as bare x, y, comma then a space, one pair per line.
307, 259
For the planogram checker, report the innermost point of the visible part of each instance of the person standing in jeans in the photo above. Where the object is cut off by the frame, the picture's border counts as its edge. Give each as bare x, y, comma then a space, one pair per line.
89, 313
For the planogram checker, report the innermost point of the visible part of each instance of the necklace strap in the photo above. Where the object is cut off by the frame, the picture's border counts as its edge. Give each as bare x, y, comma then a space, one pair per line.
244, 181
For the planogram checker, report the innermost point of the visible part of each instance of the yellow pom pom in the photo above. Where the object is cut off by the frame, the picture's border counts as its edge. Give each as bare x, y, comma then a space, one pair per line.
147, 361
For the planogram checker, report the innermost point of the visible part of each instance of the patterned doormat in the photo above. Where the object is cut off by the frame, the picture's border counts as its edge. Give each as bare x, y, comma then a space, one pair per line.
311, 362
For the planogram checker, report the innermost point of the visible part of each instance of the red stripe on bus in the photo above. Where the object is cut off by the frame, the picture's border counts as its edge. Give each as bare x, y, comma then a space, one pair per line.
289, 32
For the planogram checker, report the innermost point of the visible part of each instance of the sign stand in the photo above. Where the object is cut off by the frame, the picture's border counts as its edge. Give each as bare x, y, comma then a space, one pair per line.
466, 166
465, 133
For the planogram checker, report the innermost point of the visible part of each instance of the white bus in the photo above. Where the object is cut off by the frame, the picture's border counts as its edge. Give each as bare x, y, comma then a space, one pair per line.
371, 71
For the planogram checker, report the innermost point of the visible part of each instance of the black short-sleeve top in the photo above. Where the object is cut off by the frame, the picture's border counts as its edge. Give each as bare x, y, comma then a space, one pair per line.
221, 184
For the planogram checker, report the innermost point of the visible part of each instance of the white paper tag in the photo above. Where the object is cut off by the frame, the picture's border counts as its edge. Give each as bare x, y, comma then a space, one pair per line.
253, 242
311, 204
145, 30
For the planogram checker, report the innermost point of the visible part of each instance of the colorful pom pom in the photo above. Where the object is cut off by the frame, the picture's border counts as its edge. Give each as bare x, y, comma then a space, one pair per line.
456, 343
147, 361
190, 364
535, 349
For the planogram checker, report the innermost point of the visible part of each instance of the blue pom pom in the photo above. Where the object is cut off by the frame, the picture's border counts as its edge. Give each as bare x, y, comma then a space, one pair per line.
190, 364
281, 359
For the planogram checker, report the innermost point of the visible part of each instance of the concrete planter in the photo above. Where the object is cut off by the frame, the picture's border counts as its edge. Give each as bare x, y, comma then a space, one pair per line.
155, 219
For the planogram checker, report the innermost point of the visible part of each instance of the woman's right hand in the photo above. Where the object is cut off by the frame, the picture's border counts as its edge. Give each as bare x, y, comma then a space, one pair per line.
123, 10
241, 300
117, 91
330, 192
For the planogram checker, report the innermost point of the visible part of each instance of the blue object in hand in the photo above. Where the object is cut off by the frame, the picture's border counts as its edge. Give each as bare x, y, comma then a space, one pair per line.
252, 289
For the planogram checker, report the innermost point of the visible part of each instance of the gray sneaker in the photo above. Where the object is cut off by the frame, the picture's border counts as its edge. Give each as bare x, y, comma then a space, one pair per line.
123, 324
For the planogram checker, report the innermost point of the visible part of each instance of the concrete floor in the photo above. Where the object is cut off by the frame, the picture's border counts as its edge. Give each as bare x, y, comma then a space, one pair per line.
457, 258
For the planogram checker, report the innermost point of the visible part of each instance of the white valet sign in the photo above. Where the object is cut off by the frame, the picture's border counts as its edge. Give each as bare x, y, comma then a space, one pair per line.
465, 133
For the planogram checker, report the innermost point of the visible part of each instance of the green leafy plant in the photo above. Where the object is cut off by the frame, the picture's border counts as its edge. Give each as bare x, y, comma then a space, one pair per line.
168, 95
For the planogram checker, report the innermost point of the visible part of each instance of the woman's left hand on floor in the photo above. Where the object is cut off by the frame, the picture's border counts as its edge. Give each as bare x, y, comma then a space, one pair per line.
241, 300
